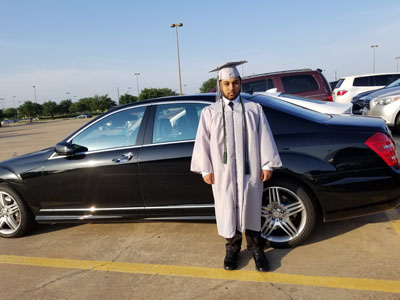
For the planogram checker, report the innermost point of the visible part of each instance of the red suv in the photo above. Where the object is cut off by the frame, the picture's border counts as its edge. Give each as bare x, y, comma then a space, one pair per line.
305, 82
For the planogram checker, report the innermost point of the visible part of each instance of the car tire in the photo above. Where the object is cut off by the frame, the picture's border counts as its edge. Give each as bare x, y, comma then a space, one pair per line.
288, 214
16, 219
397, 124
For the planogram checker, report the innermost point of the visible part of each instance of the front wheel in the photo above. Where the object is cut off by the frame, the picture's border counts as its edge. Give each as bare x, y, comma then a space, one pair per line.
15, 217
288, 214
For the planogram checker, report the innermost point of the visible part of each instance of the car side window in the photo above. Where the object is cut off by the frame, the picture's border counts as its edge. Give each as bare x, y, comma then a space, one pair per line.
116, 130
176, 122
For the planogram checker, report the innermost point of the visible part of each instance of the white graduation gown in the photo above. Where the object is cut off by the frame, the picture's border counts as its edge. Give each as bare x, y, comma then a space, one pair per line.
237, 197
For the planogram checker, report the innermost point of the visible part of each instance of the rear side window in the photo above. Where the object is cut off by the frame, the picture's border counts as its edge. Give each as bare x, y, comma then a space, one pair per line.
339, 83
299, 84
385, 79
364, 81
258, 86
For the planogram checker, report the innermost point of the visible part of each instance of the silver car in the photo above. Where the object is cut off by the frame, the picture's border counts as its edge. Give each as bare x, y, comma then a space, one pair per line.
385, 103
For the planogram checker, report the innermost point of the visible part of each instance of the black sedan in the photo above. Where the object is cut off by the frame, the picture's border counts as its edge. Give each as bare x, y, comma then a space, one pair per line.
133, 163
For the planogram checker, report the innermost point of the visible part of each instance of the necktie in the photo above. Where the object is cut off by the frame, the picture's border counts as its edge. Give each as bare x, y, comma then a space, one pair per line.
231, 104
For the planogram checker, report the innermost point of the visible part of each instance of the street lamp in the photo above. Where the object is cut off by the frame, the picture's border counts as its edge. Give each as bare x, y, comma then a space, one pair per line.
397, 59
177, 47
137, 83
68, 97
34, 92
373, 62
15, 110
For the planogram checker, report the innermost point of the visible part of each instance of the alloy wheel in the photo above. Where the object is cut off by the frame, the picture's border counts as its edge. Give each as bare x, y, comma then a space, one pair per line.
10, 214
283, 215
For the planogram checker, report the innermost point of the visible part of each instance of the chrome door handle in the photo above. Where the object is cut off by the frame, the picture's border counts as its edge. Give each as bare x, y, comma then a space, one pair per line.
123, 158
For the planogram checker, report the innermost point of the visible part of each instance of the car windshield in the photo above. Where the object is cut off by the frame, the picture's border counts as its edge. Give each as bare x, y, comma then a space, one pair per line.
394, 84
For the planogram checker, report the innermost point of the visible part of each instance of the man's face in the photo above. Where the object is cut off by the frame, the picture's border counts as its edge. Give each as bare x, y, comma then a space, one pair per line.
230, 88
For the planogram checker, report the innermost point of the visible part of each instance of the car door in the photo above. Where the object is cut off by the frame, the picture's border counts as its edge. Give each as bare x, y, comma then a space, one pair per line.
105, 177
168, 186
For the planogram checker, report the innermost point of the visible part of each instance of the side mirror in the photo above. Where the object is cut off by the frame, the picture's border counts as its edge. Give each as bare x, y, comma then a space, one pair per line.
64, 148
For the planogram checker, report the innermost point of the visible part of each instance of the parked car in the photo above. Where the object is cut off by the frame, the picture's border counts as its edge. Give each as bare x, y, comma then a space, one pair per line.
361, 101
325, 107
385, 103
6, 122
133, 162
84, 116
333, 84
350, 86
304, 82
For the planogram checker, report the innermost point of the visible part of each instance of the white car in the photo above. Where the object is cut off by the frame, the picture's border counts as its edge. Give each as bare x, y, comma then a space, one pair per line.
350, 86
325, 107
385, 104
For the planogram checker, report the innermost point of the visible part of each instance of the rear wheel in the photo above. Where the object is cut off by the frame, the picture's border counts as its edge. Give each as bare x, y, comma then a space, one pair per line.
288, 214
15, 217
397, 124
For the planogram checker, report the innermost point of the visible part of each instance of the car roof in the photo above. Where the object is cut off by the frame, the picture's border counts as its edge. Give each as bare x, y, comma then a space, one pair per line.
281, 72
373, 74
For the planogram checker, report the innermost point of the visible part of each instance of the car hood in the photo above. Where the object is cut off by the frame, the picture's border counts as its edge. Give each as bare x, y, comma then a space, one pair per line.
29, 158
383, 93
357, 123
363, 94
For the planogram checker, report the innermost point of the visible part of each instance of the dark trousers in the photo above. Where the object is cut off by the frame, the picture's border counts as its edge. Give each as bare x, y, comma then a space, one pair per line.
255, 242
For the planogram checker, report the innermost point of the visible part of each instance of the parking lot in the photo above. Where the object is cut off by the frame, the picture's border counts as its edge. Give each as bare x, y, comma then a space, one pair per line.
351, 259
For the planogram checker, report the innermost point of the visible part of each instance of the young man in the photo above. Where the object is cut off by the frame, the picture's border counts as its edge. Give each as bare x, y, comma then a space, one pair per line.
235, 152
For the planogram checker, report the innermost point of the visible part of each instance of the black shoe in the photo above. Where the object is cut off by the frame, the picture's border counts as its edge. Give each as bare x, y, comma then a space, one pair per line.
230, 261
261, 261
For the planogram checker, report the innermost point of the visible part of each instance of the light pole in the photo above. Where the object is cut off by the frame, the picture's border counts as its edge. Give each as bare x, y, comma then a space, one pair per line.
34, 92
68, 97
397, 59
15, 110
137, 83
373, 61
177, 47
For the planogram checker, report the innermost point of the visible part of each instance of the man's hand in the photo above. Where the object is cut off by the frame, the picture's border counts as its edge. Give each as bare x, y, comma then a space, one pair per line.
265, 175
209, 178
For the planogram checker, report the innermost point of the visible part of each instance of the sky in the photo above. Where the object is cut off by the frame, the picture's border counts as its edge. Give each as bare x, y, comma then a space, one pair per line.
81, 48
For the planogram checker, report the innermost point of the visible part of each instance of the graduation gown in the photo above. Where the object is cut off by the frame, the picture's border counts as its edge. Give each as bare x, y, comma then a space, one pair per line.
237, 197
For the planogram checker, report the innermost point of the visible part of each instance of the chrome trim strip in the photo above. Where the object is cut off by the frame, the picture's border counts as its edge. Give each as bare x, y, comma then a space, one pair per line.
93, 209
66, 217
167, 143
181, 218
90, 209
189, 206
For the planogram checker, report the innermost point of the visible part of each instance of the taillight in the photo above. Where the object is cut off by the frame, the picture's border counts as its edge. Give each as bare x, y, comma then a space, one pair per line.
330, 98
384, 147
341, 93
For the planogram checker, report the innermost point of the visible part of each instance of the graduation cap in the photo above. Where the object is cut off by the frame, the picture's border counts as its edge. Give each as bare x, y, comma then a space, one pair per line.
228, 70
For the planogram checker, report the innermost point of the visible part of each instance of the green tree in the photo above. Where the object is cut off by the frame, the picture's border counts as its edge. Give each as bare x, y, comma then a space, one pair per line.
63, 107
208, 85
105, 103
30, 110
49, 108
155, 93
127, 98
10, 113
